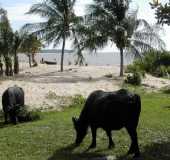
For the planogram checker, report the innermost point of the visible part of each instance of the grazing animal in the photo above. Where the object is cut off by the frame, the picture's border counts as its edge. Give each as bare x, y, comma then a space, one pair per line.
12, 99
110, 111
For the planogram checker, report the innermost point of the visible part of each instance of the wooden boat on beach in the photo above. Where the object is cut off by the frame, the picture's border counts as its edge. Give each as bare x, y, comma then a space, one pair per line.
50, 62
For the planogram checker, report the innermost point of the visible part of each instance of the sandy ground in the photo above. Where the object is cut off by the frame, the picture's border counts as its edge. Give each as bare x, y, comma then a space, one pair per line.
45, 86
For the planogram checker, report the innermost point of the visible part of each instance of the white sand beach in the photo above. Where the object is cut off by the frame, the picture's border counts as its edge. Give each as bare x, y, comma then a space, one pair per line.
45, 86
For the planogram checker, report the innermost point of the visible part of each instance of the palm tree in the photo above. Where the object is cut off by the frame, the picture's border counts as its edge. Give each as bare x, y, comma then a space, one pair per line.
30, 46
18, 38
6, 40
111, 20
60, 24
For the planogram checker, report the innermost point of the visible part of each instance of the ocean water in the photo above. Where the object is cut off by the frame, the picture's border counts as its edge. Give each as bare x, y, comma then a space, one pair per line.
99, 59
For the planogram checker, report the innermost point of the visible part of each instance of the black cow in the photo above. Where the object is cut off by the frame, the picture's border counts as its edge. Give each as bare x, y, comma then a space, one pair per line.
110, 111
12, 99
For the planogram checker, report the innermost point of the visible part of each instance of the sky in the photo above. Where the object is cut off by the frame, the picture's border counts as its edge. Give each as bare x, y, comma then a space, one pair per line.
17, 8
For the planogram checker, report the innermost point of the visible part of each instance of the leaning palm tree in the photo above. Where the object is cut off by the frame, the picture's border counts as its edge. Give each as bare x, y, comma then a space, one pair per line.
111, 20
60, 23
30, 46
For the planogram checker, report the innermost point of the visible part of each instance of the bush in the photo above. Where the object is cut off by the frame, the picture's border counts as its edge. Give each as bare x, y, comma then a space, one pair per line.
154, 62
135, 68
78, 100
24, 115
161, 71
134, 78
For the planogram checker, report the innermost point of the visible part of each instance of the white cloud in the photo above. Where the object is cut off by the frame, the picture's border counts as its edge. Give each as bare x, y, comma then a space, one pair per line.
18, 17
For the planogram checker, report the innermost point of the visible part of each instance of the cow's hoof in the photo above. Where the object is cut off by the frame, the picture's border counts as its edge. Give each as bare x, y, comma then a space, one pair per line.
111, 146
137, 155
6, 122
92, 146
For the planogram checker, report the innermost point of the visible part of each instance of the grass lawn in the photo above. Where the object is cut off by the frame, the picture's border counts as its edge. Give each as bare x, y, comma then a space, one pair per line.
51, 138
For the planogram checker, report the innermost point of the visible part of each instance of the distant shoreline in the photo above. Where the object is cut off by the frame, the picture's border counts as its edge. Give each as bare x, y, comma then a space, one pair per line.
98, 59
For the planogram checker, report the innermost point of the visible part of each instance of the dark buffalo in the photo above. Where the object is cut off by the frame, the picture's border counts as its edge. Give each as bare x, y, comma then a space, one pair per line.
12, 99
110, 111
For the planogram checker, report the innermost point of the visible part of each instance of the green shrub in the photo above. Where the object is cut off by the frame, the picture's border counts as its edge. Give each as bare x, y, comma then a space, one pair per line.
156, 63
163, 59
135, 67
24, 115
161, 71
134, 78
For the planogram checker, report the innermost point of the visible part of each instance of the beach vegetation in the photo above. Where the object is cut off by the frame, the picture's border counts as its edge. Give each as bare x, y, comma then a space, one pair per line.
30, 46
11, 43
115, 21
60, 23
134, 78
6, 39
153, 62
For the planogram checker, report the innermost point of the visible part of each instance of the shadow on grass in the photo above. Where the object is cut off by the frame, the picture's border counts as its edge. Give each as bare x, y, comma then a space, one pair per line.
167, 107
154, 151
67, 153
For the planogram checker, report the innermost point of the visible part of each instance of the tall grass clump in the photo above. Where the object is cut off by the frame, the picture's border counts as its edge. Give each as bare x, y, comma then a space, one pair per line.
77, 101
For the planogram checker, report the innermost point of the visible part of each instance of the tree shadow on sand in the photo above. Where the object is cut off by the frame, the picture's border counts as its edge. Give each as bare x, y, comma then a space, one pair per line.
154, 151
64, 77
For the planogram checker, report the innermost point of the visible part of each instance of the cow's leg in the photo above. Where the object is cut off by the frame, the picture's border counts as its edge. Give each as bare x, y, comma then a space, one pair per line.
93, 130
13, 117
111, 143
6, 118
134, 148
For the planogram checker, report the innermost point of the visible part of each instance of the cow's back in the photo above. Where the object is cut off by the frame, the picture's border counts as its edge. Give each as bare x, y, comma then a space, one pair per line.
12, 97
112, 109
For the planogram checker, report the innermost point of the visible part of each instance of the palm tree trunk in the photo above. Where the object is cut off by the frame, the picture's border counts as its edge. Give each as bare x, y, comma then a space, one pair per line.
33, 60
62, 54
29, 58
121, 62
16, 64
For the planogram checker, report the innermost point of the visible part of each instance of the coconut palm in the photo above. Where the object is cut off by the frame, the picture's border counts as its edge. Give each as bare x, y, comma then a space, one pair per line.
30, 46
18, 38
111, 20
6, 40
60, 23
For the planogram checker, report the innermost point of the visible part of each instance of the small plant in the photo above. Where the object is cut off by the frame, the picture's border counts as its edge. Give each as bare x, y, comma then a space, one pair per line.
51, 95
78, 100
134, 78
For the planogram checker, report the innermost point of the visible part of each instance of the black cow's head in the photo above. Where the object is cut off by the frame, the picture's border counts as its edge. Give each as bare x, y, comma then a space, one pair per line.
81, 130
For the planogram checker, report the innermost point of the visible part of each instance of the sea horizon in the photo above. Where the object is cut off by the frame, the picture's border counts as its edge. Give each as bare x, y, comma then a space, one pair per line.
98, 58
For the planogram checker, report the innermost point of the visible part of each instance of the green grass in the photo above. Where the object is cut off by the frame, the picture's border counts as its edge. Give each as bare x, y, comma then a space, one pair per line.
51, 138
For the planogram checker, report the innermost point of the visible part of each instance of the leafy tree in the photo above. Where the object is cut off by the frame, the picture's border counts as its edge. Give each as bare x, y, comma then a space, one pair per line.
60, 24
162, 12
112, 21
